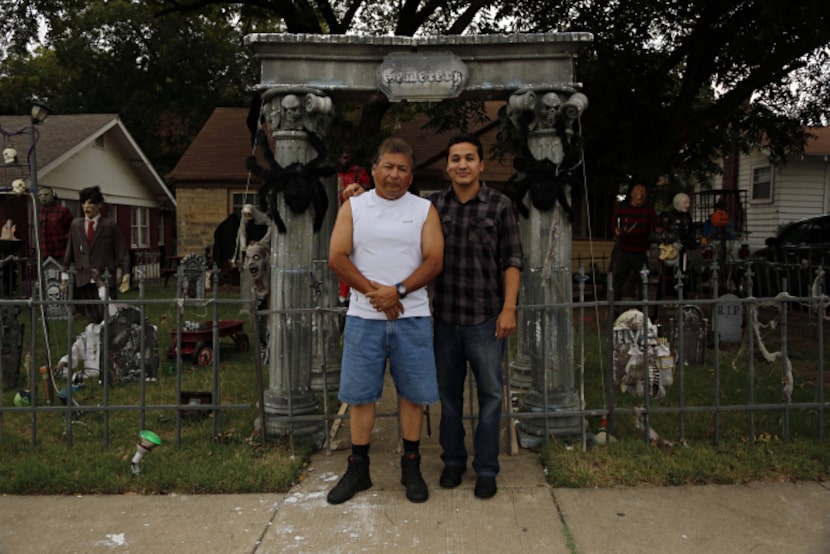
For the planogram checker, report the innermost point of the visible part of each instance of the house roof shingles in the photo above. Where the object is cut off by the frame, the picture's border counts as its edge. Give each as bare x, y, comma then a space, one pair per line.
218, 152
56, 136
61, 134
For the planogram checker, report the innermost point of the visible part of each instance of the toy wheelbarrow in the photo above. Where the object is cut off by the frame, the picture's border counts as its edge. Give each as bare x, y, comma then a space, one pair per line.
199, 342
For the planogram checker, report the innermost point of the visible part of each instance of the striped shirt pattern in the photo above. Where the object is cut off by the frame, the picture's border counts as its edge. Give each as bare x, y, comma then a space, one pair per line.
635, 225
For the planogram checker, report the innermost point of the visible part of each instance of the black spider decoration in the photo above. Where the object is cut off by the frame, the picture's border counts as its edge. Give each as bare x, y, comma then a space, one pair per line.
546, 184
299, 183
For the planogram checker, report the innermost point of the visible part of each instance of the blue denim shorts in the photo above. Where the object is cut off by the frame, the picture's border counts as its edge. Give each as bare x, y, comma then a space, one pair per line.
406, 342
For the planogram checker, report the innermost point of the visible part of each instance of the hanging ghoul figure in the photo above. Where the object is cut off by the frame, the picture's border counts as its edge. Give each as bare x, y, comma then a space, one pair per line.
550, 151
298, 178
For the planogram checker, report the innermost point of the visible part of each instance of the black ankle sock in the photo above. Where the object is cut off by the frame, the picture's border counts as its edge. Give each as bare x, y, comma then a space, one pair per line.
360, 450
411, 447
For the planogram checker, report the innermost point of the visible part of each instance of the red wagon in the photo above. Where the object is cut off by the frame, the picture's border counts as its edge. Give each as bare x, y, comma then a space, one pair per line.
199, 342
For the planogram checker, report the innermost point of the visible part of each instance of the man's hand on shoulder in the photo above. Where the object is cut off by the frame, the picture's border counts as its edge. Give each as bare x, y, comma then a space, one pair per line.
354, 189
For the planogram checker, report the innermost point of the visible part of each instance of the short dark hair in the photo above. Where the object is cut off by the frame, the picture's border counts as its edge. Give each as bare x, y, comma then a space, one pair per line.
93, 194
395, 145
466, 137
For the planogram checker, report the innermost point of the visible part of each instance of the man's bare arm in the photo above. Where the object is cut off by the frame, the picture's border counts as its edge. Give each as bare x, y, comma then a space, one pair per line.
340, 250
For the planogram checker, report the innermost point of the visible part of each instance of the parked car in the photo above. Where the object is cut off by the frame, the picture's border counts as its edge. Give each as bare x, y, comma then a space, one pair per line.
790, 260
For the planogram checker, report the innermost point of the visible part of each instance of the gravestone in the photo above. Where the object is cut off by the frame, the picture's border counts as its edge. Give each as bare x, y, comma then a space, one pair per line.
192, 272
729, 317
694, 335
52, 290
11, 345
125, 355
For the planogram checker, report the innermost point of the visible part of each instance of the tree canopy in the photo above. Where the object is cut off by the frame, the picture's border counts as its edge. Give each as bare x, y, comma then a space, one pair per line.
672, 85
162, 75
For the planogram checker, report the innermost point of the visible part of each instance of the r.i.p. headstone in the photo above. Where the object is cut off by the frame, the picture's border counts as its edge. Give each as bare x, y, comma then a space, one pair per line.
729, 317
52, 290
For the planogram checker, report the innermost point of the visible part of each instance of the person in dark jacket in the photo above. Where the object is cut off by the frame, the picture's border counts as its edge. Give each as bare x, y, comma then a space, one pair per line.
95, 246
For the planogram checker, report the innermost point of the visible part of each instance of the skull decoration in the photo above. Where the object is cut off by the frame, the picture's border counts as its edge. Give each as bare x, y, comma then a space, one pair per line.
10, 155
20, 187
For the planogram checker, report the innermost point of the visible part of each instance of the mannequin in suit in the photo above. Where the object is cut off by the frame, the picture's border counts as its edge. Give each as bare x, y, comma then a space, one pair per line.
95, 251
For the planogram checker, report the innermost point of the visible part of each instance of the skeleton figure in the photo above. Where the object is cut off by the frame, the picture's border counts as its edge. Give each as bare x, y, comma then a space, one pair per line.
631, 339
251, 216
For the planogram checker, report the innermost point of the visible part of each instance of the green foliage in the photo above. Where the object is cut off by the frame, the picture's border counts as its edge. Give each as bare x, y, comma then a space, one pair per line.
674, 85
163, 75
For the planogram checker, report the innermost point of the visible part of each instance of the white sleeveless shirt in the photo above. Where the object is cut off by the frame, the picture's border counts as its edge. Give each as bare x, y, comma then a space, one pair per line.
386, 248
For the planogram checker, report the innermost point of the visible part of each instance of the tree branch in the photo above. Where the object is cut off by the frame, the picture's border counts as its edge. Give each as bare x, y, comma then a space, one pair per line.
464, 20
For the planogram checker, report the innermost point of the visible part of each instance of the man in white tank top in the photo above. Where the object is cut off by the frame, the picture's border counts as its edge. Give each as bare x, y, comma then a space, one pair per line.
387, 246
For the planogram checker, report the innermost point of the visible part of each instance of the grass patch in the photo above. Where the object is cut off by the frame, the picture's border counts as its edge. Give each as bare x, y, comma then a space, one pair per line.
634, 463
232, 461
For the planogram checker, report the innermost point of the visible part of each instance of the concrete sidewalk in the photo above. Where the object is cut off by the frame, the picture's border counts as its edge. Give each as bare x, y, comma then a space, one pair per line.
525, 516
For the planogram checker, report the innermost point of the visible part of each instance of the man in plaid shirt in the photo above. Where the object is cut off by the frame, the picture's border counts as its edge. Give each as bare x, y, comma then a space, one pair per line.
474, 310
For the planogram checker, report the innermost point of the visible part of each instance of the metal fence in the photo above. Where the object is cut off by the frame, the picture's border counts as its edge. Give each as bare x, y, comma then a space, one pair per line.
771, 381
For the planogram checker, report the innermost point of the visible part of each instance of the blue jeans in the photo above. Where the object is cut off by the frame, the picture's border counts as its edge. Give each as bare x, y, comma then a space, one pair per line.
455, 345
406, 342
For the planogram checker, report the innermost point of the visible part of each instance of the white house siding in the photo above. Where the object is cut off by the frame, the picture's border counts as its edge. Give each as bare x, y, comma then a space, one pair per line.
118, 180
799, 191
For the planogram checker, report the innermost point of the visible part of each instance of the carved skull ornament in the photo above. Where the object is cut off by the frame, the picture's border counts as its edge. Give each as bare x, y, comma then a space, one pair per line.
10, 155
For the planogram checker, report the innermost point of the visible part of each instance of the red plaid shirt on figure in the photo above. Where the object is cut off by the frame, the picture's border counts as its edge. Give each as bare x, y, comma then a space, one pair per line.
54, 228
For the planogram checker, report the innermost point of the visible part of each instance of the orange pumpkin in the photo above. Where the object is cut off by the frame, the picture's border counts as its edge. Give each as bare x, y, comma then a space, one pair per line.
719, 218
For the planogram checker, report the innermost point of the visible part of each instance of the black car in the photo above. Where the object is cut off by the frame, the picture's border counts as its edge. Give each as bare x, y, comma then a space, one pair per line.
790, 261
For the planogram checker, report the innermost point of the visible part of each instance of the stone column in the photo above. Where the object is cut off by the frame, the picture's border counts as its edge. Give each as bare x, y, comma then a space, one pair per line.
550, 344
548, 159
520, 370
293, 123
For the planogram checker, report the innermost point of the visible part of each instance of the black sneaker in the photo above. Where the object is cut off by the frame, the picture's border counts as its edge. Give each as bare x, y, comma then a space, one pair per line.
451, 476
416, 488
485, 486
355, 479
